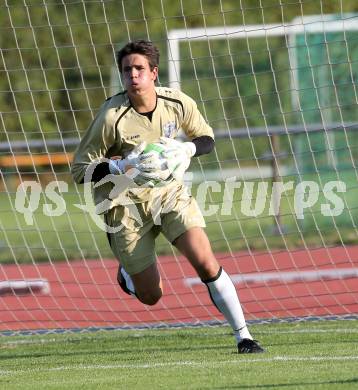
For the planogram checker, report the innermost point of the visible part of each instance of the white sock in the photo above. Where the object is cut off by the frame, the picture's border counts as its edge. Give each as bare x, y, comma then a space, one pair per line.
128, 280
223, 294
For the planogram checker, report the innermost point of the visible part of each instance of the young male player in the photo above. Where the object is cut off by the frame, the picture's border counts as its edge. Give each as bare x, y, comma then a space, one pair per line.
126, 122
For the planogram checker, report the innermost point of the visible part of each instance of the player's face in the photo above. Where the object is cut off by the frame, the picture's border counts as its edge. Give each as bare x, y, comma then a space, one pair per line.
137, 76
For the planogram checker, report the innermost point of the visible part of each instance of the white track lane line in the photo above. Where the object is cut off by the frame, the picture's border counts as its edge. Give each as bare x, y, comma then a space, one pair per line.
288, 276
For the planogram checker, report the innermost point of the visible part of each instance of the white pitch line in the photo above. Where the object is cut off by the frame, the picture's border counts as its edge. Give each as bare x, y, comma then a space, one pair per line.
348, 331
30, 341
203, 334
183, 364
289, 276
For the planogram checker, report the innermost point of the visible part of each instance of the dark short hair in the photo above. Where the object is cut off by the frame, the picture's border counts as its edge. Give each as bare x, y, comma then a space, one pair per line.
140, 46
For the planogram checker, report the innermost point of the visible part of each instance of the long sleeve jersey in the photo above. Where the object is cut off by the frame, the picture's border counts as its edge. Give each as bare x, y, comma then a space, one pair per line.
118, 128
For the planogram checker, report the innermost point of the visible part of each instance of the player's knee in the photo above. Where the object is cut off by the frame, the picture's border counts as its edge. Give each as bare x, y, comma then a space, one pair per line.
207, 269
150, 297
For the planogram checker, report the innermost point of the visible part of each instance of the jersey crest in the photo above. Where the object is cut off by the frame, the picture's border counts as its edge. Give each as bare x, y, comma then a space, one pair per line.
169, 129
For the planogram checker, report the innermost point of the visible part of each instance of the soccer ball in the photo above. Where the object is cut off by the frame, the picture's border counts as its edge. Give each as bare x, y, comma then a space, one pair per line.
155, 147
165, 174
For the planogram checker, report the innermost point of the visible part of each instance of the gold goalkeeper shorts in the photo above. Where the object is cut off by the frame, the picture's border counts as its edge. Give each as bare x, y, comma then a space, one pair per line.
171, 211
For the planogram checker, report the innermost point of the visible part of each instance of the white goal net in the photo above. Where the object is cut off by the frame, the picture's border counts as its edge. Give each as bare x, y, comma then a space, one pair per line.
277, 81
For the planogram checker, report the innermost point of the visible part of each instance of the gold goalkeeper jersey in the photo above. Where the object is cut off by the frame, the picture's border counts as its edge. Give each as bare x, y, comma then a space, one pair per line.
118, 128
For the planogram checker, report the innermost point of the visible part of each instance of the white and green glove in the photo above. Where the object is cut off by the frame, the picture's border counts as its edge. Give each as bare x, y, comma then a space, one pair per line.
131, 166
120, 166
178, 155
155, 164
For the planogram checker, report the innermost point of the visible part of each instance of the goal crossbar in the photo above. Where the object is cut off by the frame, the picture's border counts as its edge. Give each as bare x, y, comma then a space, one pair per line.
312, 25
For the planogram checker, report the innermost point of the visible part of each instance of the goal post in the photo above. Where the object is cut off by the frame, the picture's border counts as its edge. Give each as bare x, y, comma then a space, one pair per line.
277, 83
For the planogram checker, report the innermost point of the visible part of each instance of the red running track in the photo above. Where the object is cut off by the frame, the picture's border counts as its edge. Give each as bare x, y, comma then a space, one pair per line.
313, 282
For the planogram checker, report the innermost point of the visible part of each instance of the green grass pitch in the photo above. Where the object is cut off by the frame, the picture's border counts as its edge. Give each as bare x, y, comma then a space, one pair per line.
301, 355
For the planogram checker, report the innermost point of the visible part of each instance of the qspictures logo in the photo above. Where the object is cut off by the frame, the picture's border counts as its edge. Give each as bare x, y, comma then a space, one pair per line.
254, 198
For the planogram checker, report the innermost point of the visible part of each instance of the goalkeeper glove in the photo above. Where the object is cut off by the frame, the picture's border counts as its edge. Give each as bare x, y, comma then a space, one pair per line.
178, 155
133, 160
153, 162
130, 166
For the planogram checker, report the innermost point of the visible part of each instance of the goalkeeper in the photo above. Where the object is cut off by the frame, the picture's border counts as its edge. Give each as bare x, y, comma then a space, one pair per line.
145, 114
